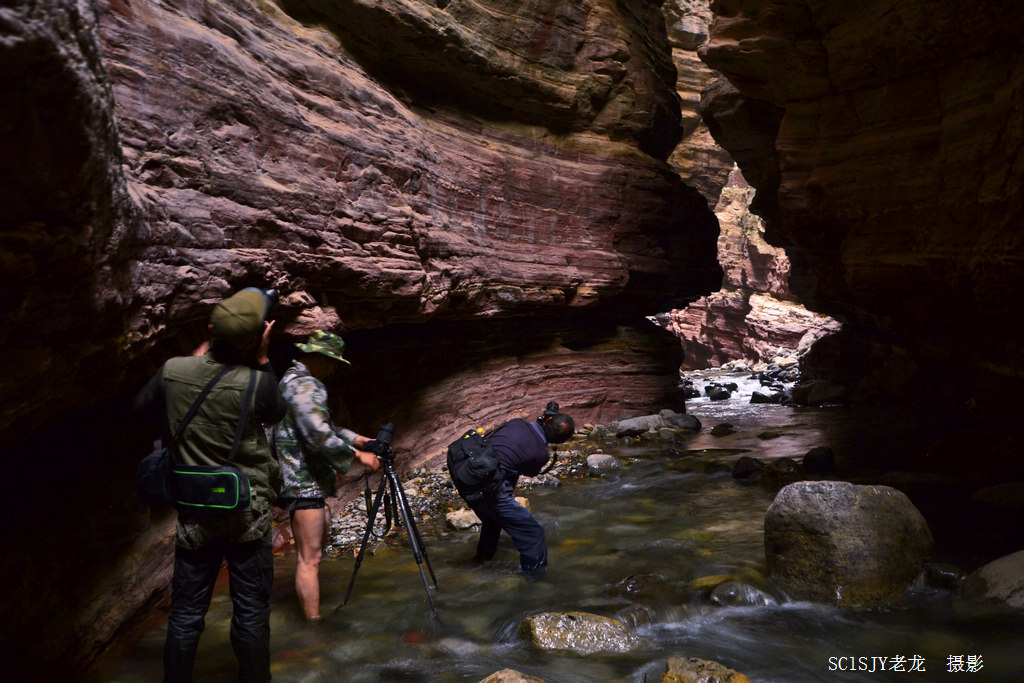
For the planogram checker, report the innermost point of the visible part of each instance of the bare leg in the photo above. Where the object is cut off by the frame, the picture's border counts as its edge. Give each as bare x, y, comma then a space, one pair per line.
308, 527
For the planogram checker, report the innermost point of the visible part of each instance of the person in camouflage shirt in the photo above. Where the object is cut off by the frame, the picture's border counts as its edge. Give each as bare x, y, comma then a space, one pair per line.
311, 451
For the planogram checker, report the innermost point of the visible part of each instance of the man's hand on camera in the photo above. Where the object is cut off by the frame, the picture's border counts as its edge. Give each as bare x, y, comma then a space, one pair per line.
261, 355
368, 459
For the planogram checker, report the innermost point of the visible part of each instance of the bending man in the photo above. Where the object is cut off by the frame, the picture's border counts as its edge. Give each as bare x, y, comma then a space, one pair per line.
522, 450
311, 451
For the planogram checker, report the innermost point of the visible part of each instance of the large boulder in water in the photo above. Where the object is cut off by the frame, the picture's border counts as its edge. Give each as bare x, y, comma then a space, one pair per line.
840, 543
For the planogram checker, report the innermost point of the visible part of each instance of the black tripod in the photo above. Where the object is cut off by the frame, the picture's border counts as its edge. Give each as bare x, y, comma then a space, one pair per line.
382, 449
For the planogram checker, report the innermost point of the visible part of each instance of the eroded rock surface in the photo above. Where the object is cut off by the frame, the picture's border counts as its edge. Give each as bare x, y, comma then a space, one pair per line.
754, 314
1000, 581
451, 186
396, 161
692, 670
884, 140
581, 633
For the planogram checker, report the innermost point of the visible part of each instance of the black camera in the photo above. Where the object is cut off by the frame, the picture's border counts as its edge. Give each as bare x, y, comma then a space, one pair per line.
381, 446
270, 299
549, 412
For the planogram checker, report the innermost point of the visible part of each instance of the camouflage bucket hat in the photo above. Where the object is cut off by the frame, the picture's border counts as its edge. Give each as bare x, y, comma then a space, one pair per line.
327, 343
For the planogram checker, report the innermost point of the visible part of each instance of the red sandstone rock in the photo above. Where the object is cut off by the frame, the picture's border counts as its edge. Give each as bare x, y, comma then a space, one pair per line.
481, 205
296, 152
754, 315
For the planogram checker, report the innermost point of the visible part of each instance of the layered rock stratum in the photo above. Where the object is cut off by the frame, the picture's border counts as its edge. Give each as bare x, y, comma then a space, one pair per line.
475, 194
753, 317
487, 199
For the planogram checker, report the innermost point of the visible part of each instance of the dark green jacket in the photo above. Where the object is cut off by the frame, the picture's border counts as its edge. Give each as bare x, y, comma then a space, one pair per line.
208, 437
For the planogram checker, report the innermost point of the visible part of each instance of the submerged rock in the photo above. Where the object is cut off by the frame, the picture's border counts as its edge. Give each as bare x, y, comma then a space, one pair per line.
943, 575
781, 471
717, 392
634, 584
462, 519
746, 466
693, 670
579, 632
722, 429
732, 593
1000, 581
769, 395
819, 461
511, 676
602, 462
666, 419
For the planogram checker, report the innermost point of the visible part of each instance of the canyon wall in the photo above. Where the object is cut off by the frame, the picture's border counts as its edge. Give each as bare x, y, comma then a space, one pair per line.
754, 315
475, 194
884, 141
487, 199
698, 158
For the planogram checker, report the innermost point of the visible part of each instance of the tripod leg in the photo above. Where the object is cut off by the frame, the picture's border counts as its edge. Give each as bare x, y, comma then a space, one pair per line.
403, 504
414, 532
371, 517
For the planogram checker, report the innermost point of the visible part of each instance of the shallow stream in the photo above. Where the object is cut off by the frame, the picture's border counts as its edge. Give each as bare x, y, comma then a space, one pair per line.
633, 545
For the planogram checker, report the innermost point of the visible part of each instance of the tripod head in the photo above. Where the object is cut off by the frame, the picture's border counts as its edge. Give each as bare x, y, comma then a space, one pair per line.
381, 446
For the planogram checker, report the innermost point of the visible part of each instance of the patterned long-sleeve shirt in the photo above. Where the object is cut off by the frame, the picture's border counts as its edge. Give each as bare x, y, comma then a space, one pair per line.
308, 445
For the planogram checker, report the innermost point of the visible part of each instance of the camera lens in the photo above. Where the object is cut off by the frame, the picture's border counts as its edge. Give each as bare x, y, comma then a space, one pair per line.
385, 434
273, 298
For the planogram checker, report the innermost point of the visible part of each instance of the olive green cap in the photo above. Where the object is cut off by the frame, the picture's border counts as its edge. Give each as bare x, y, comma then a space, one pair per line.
239, 318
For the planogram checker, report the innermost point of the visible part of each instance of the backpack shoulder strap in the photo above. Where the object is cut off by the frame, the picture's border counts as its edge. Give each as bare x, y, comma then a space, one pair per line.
194, 408
240, 429
490, 433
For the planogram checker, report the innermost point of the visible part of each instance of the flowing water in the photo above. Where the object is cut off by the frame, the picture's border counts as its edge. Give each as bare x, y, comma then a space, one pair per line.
640, 545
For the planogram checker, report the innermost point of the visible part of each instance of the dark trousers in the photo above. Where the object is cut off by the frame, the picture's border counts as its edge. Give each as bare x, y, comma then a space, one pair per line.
503, 512
250, 576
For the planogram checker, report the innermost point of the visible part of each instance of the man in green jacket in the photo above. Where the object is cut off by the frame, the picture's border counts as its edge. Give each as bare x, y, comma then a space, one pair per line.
240, 338
312, 450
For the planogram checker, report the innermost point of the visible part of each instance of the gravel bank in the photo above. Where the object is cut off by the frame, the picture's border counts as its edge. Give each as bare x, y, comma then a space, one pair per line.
432, 495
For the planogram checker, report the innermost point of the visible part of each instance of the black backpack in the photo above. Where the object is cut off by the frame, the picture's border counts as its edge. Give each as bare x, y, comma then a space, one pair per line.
473, 464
